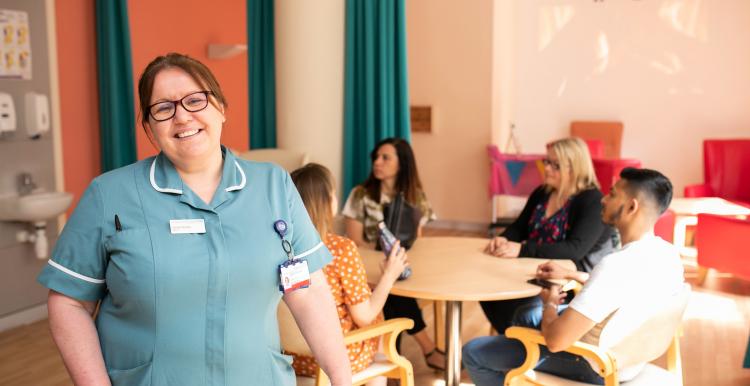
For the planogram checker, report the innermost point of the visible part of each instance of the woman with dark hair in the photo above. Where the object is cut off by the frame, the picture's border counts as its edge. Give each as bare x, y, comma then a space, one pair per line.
394, 171
186, 256
357, 305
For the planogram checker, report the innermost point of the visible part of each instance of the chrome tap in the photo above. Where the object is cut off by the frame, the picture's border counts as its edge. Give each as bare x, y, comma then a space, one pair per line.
25, 184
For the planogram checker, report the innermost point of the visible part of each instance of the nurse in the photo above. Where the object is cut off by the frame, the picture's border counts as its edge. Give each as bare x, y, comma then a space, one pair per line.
185, 253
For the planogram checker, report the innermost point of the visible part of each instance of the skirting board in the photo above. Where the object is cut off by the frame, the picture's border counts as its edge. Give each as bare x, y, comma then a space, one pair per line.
23, 317
458, 225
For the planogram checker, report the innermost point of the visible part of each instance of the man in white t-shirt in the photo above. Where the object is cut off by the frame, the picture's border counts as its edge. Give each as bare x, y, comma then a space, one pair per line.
636, 281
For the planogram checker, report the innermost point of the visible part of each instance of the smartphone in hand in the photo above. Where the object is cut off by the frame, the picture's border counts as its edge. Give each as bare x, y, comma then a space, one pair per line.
541, 282
564, 286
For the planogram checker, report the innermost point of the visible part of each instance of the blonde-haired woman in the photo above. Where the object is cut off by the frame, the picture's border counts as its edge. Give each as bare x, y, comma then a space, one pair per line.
561, 220
357, 305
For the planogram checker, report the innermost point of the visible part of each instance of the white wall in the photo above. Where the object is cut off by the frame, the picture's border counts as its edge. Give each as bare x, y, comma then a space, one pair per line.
673, 71
449, 47
310, 79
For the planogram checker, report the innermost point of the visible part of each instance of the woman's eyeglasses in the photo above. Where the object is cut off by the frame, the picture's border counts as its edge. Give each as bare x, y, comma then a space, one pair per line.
553, 164
163, 111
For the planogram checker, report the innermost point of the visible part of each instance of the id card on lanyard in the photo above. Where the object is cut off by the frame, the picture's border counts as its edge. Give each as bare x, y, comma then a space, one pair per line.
293, 273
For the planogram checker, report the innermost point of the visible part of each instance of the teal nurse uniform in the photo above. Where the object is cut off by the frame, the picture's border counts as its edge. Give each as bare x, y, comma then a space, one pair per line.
185, 308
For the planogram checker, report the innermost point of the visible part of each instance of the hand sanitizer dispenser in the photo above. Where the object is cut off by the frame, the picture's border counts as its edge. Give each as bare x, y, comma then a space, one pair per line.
7, 113
37, 114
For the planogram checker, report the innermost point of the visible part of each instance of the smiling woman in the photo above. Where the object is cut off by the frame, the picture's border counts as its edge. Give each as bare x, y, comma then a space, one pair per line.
181, 272
189, 134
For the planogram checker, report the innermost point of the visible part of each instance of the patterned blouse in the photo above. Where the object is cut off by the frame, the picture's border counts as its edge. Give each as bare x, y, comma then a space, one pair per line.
348, 281
548, 230
361, 207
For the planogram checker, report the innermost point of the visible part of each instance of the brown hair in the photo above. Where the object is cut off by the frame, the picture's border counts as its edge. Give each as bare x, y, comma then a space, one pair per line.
197, 70
315, 185
573, 155
407, 179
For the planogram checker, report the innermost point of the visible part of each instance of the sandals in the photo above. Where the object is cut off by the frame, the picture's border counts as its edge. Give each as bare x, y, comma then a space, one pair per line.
427, 356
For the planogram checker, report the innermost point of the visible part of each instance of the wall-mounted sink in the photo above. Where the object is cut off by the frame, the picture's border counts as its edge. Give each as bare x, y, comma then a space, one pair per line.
34, 207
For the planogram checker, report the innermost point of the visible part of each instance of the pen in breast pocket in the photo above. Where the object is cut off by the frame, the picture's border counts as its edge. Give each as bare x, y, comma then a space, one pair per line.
118, 226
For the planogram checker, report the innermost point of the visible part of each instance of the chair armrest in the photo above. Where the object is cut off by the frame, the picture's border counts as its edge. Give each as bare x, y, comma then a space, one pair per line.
532, 339
378, 329
698, 190
389, 329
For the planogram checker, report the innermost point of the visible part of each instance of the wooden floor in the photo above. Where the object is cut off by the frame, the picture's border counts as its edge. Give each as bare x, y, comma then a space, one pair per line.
716, 329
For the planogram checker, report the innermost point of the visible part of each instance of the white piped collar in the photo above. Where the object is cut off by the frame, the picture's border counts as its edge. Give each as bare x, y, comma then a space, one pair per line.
168, 175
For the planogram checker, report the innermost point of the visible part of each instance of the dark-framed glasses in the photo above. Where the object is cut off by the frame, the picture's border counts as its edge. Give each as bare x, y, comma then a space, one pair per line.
165, 110
553, 164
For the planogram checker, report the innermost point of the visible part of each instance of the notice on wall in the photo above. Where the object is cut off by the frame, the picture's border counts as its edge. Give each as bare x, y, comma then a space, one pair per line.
15, 50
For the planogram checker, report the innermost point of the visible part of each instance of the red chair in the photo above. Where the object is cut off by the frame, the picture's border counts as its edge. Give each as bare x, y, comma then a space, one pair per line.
664, 227
721, 242
726, 171
608, 170
609, 132
596, 147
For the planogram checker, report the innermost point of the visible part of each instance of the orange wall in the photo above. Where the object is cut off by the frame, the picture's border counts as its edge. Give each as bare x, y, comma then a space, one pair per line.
185, 26
79, 97
188, 26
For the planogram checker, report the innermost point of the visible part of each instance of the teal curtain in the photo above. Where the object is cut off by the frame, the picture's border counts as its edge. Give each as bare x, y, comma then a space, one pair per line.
376, 98
115, 74
262, 75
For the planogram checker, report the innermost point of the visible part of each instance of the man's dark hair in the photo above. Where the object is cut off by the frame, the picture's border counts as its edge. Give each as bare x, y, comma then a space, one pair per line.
651, 184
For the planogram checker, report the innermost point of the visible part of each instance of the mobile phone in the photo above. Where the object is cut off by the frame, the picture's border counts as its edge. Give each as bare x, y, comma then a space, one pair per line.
542, 283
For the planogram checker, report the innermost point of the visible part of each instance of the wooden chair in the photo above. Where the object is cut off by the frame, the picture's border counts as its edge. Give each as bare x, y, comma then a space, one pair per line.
657, 334
287, 159
389, 364
609, 133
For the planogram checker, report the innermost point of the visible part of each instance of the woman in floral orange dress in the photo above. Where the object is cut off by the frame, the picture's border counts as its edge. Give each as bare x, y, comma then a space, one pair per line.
357, 305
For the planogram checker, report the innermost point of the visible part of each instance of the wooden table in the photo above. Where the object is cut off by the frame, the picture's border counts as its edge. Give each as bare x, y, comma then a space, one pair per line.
686, 214
454, 269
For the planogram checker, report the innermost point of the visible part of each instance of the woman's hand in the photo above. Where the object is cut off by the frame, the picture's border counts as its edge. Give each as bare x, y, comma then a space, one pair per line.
509, 249
365, 312
494, 244
501, 247
395, 263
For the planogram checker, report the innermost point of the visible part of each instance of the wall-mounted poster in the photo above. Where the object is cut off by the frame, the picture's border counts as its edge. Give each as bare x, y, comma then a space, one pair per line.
15, 50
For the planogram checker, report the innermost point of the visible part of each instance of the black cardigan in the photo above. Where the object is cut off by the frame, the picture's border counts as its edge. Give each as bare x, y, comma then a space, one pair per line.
587, 240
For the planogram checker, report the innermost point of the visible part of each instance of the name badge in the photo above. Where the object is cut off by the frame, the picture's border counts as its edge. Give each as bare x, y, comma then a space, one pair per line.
196, 225
294, 275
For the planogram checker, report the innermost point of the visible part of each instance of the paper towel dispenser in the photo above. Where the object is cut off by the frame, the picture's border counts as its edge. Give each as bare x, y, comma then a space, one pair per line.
37, 114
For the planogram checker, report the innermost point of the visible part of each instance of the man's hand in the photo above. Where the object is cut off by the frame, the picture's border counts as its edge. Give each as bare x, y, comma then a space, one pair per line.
552, 295
550, 271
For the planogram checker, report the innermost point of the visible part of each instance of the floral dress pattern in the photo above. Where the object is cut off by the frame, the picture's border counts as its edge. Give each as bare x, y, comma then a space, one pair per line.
548, 230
